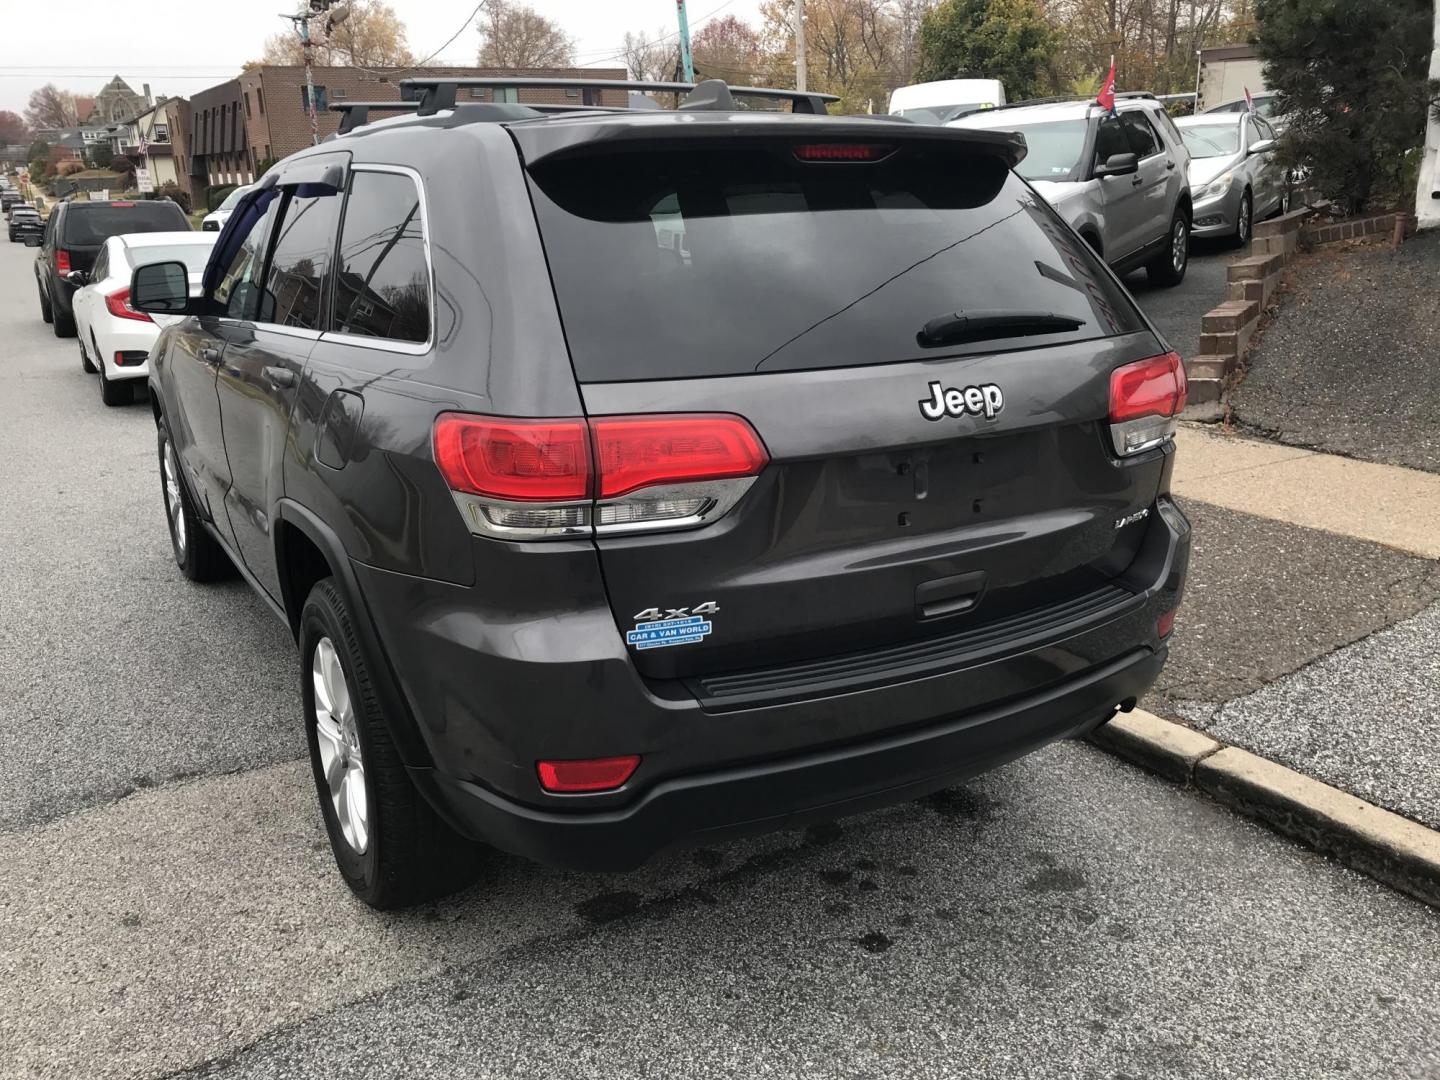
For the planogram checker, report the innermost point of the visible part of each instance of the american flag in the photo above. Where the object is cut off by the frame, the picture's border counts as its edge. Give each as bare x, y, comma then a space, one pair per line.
144, 145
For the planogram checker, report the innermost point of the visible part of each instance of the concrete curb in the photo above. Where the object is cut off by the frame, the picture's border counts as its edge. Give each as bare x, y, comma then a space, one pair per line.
1402, 853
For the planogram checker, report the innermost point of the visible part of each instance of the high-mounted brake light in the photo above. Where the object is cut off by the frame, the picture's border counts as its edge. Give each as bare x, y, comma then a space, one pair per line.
533, 479
588, 775
1146, 398
842, 151
118, 304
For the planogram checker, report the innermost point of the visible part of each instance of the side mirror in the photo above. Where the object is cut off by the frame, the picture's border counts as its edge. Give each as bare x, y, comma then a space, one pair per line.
1262, 146
78, 278
1118, 165
161, 289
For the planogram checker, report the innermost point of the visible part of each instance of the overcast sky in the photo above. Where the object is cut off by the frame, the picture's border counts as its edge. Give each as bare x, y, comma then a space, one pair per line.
184, 47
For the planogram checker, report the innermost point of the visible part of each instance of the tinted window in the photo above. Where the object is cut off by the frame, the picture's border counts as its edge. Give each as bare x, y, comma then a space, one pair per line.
383, 287
89, 224
1143, 140
726, 262
301, 258
1110, 139
238, 292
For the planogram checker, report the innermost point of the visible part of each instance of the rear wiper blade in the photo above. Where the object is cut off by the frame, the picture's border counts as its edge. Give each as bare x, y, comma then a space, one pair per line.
989, 324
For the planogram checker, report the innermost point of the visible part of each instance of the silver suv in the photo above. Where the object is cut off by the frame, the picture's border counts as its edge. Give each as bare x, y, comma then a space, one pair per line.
1120, 180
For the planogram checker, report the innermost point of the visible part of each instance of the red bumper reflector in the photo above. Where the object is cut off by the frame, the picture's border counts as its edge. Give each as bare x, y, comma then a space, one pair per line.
1165, 624
587, 774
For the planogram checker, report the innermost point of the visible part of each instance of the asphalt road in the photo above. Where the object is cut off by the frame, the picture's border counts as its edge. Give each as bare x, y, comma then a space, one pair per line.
1176, 311
167, 901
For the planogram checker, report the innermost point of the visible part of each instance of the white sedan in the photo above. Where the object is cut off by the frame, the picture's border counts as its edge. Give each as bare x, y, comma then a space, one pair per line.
115, 339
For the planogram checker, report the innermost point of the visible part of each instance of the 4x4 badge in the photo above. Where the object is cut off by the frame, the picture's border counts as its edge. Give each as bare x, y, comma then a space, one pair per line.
986, 399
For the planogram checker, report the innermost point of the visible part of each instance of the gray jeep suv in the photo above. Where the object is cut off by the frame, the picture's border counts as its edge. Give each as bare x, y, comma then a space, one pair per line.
1121, 181
633, 478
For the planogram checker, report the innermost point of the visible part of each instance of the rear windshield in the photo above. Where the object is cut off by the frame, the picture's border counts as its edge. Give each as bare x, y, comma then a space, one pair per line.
89, 225
194, 256
730, 261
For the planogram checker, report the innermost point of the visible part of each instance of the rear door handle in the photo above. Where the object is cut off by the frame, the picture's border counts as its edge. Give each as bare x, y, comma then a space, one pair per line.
209, 355
279, 376
1169, 165
950, 595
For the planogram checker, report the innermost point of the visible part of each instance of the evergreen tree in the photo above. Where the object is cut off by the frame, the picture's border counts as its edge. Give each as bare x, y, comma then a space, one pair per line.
1009, 40
1352, 75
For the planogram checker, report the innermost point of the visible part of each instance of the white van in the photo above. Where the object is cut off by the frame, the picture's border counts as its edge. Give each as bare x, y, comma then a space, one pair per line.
946, 99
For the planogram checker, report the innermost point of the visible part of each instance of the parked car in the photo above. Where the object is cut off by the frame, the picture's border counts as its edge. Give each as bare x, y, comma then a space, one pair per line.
945, 99
74, 233
1234, 177
115, 339
1119, 179
16, 205
1265, 103
215, 220
9, 198
25, 224
870, 495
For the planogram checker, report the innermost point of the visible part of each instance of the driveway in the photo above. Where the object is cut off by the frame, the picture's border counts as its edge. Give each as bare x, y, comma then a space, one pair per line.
1176, 311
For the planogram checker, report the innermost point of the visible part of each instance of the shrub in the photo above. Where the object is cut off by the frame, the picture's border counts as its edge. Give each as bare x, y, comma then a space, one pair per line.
172, 190
215, 194
69, 168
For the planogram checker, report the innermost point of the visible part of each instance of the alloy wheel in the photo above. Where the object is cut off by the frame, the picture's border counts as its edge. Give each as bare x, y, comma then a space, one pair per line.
338, 740
1242, 227
174, 507
1179, 244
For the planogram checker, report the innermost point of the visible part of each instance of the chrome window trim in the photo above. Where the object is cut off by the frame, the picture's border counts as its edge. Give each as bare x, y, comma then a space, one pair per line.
411, 348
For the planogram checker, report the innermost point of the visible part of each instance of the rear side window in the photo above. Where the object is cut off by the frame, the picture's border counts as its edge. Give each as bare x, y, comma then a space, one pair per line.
305, 237
382, 287
686, 263
86, 225
1143, 140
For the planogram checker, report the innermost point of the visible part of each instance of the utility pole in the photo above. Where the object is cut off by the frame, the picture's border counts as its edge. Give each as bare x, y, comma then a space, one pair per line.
801, 71
687, 62
334, 15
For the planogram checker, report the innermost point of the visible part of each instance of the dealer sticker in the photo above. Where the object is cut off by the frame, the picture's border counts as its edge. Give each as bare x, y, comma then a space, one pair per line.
667, 632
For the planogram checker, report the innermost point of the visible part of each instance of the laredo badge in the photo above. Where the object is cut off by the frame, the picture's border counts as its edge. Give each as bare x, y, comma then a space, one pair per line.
655, 629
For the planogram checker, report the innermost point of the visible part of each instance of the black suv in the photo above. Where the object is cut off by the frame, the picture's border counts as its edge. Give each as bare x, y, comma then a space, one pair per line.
634, 478
75, 232
24, 223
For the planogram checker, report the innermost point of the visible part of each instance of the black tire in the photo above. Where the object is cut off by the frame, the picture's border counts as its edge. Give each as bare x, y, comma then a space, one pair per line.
410, 855
85, 363
1168, 268
198, 554
47, 313
116, 391
1244, 221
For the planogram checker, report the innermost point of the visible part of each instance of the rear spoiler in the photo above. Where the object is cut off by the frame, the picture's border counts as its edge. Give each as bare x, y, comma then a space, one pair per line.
539, 142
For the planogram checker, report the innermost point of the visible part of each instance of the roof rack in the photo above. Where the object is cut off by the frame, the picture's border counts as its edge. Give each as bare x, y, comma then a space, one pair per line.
438, 92
1064, 99
356, 113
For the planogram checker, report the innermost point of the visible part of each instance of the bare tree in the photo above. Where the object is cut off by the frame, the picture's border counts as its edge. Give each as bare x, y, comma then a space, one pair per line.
515, 35
650, 59
372, 35
51, 107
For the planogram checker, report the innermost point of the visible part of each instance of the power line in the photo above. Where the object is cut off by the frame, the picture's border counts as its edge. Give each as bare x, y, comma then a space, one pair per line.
661, 40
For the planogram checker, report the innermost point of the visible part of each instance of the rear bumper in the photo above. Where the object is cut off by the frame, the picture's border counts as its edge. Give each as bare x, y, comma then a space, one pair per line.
823, 785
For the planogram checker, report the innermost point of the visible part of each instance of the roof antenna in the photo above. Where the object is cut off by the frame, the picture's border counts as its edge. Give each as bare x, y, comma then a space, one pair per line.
710, 94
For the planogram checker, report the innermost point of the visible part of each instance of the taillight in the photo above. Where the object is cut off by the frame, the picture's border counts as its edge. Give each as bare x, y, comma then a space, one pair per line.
588, 775
531, 479
1146, 398
62, 261
118, 304
1165, 625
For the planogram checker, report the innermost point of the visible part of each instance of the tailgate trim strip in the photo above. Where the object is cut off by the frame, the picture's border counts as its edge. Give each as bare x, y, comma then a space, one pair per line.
917, 659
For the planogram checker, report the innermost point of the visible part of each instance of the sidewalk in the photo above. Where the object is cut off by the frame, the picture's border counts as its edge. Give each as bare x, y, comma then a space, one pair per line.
1309, 637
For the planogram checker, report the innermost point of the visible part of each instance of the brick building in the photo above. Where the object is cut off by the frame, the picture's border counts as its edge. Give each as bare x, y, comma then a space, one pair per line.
236, 129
